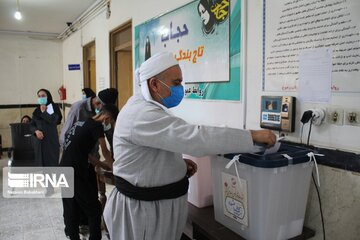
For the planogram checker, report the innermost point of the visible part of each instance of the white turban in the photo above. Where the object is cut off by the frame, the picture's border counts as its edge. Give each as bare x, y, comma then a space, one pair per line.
151, 67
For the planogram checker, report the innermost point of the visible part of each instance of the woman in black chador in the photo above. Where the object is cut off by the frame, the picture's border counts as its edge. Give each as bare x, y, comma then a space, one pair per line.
43, 125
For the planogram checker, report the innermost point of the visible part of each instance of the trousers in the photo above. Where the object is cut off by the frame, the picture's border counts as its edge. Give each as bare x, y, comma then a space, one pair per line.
85, 200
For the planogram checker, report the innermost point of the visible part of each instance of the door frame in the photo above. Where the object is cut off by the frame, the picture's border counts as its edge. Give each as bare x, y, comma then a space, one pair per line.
113, 49
86, 67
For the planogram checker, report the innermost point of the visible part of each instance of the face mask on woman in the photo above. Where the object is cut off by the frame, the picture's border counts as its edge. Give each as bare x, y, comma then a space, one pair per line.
42, 100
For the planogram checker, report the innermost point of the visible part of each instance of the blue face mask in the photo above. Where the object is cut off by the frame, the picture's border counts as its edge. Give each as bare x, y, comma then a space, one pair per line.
177, 94
83, 96
42, 100
97, 111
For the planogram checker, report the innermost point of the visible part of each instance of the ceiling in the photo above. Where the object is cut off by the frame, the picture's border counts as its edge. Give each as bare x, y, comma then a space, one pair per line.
47, 17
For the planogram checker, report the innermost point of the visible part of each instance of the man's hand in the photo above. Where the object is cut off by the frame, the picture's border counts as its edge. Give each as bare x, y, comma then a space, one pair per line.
263, 136
43, 108
39, 134
191, 167
107, 165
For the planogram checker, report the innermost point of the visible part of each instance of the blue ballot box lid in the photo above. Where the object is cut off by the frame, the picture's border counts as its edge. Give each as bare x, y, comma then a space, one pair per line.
294, 155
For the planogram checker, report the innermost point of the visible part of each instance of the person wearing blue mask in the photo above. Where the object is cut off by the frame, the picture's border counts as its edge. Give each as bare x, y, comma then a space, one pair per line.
87, 92
80, 111
109, 96
150, 198
43, 125
88, 107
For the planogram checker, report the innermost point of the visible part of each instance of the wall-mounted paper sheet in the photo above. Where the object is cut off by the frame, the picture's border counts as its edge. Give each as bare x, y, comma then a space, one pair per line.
315, 75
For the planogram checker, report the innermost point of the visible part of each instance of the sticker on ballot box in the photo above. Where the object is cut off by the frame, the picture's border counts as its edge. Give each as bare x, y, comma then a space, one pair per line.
235, 198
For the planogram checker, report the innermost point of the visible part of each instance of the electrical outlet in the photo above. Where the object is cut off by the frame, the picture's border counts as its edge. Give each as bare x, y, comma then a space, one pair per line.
352, 117
318, 116
335, 116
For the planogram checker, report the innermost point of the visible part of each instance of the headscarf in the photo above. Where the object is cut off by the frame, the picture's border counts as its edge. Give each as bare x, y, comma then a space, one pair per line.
37, 111
151, 67
89, 92
25, 116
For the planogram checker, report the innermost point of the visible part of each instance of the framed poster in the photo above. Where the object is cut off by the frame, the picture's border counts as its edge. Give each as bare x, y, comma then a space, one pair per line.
204, 36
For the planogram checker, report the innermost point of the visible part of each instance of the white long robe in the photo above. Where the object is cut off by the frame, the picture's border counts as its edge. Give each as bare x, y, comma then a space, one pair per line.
148, 146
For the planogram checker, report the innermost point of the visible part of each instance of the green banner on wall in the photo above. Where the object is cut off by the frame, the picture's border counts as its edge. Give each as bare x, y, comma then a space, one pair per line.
204, 36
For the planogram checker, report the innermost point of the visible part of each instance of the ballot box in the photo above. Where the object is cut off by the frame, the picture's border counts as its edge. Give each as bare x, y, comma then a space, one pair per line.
263, 197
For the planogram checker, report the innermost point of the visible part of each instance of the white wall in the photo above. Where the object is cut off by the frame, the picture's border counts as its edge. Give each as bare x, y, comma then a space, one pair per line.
331, 136
97, 30
73, 80
26, 65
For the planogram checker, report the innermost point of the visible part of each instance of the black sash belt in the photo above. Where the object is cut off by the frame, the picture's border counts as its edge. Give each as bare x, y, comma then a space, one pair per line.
169, 191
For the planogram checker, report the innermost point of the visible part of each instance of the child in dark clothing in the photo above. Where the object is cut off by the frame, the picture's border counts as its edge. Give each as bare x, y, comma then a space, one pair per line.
79, 142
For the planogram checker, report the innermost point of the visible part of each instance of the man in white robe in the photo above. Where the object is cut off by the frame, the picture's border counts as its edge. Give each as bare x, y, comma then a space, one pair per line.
148, 146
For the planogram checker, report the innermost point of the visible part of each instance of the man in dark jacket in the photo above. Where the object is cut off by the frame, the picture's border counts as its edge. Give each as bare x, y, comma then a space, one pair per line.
81, 111
79, 142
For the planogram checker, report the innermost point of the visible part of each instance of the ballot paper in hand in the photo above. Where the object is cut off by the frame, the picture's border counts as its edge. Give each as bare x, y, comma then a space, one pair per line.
50, 109
273, 149
258, 148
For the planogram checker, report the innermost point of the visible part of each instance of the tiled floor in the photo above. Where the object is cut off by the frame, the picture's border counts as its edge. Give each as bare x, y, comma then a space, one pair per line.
31, 219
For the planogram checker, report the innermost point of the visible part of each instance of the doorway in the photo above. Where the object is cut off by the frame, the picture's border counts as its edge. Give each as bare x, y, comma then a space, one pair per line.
121, 62
89, 60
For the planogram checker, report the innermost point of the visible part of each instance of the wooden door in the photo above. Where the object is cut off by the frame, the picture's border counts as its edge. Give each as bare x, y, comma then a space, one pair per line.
92, 74
124, 76
89, 69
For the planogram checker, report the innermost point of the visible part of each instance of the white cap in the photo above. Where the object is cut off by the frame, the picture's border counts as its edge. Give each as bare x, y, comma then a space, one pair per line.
151, 67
